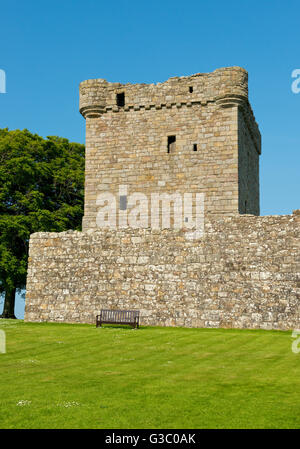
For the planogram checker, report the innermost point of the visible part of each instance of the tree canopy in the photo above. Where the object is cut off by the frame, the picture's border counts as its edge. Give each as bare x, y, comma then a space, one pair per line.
41, 189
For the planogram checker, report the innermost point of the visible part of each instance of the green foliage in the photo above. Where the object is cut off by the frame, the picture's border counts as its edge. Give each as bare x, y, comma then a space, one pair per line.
76, 376
41, 189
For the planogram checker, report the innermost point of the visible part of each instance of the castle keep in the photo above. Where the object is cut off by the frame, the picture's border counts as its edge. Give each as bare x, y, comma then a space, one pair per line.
189, 134
192, 135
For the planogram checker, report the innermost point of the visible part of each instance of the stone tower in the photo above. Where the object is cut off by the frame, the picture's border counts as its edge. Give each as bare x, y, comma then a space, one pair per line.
188, 134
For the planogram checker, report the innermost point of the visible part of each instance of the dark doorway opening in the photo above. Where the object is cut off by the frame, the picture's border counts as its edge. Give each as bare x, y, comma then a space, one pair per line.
121, 99
171, 143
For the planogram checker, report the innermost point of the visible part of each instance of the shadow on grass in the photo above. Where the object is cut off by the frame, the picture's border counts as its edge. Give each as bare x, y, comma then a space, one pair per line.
120, 326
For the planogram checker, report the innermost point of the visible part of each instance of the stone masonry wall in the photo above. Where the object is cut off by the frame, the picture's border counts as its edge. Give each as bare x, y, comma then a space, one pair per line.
243, 273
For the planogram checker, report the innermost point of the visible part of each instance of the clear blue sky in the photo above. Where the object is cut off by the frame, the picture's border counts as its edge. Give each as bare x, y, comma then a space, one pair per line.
48, 48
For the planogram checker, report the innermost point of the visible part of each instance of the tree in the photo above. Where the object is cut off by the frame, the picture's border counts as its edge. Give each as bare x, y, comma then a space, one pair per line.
41, 189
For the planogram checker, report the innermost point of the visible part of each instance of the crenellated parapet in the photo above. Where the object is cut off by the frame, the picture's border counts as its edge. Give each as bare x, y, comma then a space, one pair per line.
223, 85
226, 87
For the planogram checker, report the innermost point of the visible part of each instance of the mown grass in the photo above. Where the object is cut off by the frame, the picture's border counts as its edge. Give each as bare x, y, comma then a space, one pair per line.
77, 376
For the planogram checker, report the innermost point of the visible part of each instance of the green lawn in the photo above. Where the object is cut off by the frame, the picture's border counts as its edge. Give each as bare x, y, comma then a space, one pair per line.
77, 376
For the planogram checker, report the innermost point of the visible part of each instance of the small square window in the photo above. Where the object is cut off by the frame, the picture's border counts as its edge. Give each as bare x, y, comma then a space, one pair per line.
171, 143
121, 99
195, 147
191, 89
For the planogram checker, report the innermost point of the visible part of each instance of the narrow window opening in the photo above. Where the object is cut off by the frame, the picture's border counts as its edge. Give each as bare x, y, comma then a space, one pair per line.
245, 206
191, 89
121, 99
195, 147
171, 143
123, 202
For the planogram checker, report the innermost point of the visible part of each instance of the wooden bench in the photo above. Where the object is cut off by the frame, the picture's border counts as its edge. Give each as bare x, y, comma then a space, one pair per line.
130, 317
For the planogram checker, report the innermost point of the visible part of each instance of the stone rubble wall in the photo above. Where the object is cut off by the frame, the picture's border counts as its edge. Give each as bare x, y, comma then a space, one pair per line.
243, 273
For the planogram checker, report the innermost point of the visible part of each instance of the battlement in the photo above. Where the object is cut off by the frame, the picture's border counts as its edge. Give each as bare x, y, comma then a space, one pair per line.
226, 87
98, 96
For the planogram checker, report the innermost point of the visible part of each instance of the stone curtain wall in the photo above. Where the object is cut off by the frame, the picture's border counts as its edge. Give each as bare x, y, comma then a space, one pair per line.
243, 273
128, 145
